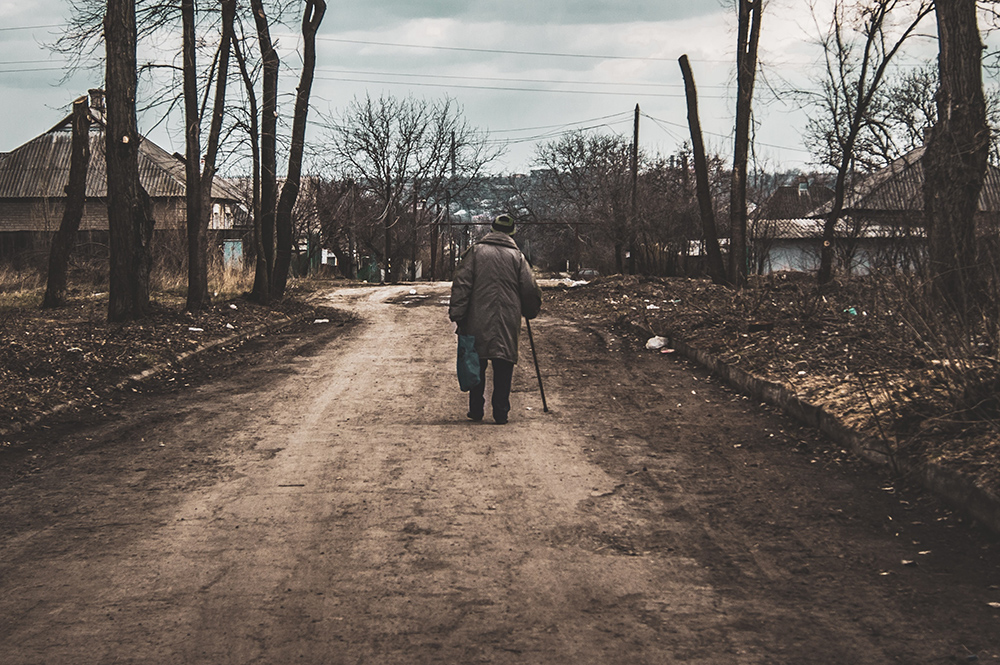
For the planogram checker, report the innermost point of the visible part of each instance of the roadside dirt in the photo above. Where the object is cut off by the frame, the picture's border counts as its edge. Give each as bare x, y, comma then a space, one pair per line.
319, 497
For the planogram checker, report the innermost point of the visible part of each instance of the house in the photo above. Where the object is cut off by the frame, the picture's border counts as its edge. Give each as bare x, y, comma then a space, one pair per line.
32, 197
781, 233
882, 220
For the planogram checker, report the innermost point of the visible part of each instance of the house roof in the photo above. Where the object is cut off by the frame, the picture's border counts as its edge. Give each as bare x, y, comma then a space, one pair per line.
40, 167
811, 228
899, 188
794, 201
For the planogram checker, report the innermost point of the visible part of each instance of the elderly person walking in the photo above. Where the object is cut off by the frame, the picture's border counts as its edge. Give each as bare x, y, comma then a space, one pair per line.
493, 288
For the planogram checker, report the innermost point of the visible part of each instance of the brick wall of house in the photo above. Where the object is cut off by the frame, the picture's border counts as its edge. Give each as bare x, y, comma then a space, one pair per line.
45, 215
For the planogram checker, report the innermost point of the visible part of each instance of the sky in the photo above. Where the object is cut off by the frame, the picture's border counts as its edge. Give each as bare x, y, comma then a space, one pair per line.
523, 70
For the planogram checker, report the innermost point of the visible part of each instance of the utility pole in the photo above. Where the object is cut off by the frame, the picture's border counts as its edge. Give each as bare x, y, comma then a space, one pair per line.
635, 193
435, 235
413, 245
451, 240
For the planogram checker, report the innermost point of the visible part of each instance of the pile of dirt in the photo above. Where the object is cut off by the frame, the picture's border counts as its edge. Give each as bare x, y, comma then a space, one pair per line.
844, 348
72, 354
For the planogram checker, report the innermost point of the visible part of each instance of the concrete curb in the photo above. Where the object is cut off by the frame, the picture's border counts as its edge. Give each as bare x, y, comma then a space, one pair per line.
262, 329
956, 488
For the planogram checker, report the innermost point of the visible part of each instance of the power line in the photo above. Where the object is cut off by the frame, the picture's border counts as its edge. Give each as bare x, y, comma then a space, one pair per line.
548, 135
31, 62
32, 27
508, 79
32, 69
565, 124
548, 54
716, 134
513, 89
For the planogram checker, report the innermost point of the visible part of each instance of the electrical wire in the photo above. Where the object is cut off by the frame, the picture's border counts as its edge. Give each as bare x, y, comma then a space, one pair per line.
507, 79
548, 54
515, 89
32, 27
565, 124
660, 122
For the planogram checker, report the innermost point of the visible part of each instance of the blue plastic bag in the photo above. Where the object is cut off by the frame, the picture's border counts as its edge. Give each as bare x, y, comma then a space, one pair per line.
468, 363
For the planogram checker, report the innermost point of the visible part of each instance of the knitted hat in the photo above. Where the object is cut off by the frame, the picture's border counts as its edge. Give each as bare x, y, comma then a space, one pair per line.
504, 224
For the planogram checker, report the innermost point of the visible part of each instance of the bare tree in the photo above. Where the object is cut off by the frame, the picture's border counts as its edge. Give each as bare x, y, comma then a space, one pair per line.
395, 149
591, 175
858, 45
268, 154
955, 160
197, 235
251, 125
716, 268
130, 221
312, 16
748, 36
76, 197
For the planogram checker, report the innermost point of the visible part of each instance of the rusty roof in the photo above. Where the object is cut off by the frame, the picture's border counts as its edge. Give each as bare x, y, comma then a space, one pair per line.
40, 167
898, 188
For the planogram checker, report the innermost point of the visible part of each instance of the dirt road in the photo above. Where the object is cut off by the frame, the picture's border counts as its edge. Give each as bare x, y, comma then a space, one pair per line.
324, 500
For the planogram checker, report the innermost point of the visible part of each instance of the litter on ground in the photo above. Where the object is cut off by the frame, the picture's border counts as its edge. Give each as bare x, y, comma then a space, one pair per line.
656, 343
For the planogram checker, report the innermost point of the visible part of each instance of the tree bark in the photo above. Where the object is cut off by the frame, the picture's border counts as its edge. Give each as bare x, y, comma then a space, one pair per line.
260, 266
311, 18
130, 221
716, 268
954, 162
212, 149
76, 196
268, 155
197, 233
746, 68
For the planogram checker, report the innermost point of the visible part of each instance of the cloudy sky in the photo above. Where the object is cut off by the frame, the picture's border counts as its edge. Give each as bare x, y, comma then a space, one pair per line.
525, 70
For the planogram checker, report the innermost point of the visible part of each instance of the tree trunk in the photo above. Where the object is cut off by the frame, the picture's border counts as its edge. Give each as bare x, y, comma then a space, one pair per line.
311, 18
197, 235
212, 149
435, 241
76, 196
261, 272
954, 163
634, 193
268, 155
746, 68
716, 268
130, 221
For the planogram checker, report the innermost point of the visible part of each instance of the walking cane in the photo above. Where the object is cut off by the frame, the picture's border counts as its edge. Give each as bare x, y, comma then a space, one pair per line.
538, 372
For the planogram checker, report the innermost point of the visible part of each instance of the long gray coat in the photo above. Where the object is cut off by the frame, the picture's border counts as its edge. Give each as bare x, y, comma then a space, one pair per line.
493, 288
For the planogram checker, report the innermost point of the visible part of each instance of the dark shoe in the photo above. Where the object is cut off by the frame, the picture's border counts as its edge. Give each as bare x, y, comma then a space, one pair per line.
474, 416
500, 420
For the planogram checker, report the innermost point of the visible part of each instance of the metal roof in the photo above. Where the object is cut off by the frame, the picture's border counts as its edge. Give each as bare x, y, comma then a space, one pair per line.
899, 188
40, 167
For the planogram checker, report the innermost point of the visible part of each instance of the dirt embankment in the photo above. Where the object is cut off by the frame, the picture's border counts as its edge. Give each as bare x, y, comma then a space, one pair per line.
847, 349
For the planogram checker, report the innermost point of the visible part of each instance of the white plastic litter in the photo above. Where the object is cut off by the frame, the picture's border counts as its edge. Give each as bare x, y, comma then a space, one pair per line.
655, 343
232, 306
413, 292
652, 307
231, 326
322, 321
196, 330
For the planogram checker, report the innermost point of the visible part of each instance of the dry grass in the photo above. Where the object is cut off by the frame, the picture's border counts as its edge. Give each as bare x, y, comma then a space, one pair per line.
21, 289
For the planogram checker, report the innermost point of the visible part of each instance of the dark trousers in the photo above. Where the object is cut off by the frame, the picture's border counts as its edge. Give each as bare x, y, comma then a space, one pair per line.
503, 372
